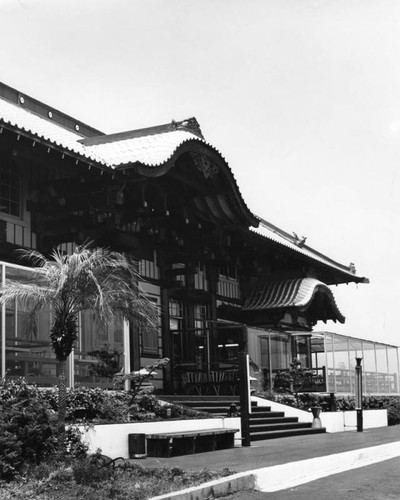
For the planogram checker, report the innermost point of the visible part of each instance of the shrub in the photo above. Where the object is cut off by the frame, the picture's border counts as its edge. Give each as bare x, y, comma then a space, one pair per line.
92, 470
27, 427
97, 406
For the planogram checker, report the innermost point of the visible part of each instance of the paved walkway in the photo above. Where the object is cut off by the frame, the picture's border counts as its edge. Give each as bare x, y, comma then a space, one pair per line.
279, 451
277, 464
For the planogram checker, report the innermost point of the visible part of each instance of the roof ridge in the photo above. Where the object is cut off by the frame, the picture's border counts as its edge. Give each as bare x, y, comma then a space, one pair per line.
189, 125
49, 113
302, 248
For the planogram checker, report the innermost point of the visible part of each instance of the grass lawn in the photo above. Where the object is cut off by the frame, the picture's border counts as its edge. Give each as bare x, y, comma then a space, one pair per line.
91, 479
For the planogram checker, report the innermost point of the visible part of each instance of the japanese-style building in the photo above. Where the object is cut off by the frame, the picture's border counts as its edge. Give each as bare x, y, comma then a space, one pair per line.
225, 280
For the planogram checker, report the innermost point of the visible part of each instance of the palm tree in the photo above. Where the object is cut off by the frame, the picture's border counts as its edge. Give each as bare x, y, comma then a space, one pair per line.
98, 280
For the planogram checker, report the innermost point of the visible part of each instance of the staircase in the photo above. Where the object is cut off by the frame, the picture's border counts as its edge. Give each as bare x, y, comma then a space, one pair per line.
267, 424
217, 406
264, 423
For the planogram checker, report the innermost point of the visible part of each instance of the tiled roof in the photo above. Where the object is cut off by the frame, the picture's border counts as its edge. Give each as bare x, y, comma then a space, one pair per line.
297, 293
113, 150
150, 150
279, 236
44, 129
150, 147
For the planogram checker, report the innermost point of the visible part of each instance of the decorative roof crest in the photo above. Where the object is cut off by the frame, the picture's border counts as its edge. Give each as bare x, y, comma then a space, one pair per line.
190, 124
206, 166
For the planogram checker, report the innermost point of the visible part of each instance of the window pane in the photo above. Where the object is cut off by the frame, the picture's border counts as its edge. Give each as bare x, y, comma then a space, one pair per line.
28, 350
9, 186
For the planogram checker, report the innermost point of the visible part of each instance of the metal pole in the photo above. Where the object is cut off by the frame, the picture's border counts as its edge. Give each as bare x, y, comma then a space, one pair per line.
3, 326
359, 395
127, 358
244, 399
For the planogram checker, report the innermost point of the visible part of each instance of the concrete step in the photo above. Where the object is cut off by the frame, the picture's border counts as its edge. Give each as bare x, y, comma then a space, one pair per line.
212, 409
267, 414
272, 420
214, 405
189, 397
260, 409
210, 404
279, 426
257, 436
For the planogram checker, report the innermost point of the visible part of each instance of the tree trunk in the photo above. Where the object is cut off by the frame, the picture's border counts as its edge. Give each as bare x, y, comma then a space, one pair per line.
62, 404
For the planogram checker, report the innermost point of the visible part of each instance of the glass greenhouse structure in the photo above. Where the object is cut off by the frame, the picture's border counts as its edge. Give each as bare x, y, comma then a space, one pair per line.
336, 354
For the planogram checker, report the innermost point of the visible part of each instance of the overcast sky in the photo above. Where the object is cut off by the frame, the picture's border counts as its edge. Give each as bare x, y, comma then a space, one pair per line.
302, 98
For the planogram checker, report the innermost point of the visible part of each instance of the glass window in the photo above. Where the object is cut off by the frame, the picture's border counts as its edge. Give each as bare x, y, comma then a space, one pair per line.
175, 326
280, 351
28, 350
200, 278
382, 369
393, 369
149, 335
228, 346
99, 351
369, 368
229, 270
9, 187
201, 340
330, 363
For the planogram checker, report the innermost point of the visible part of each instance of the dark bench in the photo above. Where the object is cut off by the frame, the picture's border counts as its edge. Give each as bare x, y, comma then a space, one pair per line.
168, 444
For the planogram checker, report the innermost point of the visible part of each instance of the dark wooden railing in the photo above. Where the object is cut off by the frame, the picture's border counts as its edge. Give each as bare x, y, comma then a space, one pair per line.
213, 382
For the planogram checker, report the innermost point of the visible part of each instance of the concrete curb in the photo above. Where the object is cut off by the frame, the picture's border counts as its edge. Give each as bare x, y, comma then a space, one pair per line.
219, 487
283, 476
288, 475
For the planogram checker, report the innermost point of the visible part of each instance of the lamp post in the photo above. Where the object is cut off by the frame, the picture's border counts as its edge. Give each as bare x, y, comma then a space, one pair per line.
244, 391
359, 395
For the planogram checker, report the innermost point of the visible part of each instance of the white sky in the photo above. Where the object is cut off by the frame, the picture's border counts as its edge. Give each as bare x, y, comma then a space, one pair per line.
302, 98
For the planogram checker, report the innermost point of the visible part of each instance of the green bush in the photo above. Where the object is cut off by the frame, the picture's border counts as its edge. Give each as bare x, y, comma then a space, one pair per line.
92, 470
27, 427
98, 406
28, 419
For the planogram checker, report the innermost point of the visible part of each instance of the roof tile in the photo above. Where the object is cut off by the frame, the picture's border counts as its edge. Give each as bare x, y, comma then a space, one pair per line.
151, 150
297, 293
45, 129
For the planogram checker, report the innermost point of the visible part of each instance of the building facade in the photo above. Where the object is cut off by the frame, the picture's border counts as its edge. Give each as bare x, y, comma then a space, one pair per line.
224, 279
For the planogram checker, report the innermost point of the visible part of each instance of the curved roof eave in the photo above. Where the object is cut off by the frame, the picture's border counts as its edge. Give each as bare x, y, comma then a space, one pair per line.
291, 294
186, 145
272, 233
313, 287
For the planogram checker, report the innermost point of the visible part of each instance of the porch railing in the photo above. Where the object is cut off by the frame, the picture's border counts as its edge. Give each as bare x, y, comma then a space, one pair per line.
313, 380
213, 382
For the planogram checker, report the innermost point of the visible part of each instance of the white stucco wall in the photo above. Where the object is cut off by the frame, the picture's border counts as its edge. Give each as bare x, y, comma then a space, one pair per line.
338, 421
112, 439
341, 421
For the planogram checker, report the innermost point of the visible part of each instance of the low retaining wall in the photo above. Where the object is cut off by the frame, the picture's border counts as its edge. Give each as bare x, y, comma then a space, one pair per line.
341, 421
338, 421
112, 439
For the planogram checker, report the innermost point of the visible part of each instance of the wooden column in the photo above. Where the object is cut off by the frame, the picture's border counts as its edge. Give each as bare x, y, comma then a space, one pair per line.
212, 276
167, 350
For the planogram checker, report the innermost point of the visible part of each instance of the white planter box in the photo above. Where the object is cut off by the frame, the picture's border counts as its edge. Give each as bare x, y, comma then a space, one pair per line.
112, 439
338, 421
